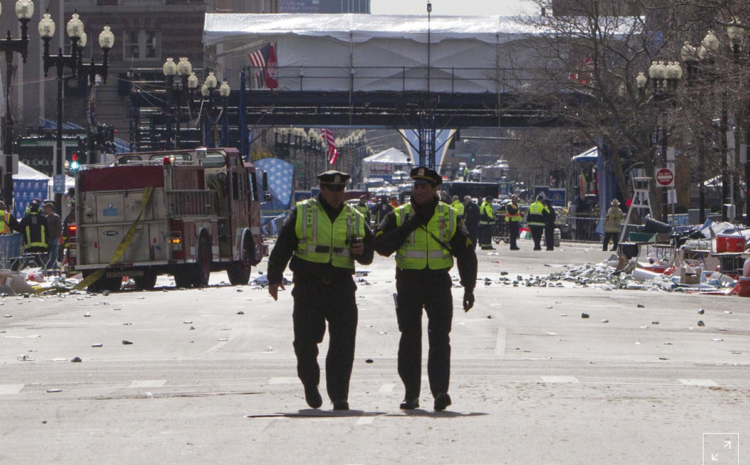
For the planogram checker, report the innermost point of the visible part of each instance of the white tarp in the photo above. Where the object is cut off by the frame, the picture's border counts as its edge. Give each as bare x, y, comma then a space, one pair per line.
354, 52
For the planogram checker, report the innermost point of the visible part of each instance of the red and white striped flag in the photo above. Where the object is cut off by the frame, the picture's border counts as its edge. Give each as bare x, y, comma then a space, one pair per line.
331, 151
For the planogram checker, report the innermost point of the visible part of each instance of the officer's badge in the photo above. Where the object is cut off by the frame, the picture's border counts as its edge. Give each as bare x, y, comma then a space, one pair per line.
420, 172
337, 179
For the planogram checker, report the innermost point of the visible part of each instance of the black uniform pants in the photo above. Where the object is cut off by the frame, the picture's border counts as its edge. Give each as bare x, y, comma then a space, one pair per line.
615, 236
473, 235
485, 238
536, 234
314, 305
513, 232
549, 236
419, 289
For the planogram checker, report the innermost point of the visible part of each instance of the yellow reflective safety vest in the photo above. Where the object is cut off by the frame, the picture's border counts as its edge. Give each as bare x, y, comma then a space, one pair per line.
4, 226
512, 213
486, 214
362, 209
421, 250
321, 241
536, 217
458, 206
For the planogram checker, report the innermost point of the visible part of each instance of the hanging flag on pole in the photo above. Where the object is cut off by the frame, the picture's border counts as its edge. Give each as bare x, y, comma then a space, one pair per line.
331, 151
271, 71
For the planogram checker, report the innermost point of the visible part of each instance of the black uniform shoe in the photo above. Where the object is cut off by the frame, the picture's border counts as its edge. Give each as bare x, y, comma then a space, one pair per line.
515, 248
312, 396
442, 401
409, 404
340, 405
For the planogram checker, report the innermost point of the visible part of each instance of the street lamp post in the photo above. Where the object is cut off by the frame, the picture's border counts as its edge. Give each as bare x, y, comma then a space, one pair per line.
736, 34
429, 43
24, 12
78, 39
689, 55
209, 89
179, 92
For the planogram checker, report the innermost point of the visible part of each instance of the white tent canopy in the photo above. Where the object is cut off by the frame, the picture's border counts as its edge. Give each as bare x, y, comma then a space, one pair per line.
386, 162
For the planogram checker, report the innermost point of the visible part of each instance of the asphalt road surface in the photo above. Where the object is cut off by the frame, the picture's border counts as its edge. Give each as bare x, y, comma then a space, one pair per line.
532, 381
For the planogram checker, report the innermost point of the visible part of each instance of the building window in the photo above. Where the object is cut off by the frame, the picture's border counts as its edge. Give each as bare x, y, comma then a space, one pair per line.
107, 2
142, 45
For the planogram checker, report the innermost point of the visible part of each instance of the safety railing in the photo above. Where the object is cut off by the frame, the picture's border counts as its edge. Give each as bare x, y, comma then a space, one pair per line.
582, 229
192, 203
10, 248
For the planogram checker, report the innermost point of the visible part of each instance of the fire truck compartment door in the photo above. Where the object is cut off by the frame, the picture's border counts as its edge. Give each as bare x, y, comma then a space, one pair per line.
110, 208
110, 238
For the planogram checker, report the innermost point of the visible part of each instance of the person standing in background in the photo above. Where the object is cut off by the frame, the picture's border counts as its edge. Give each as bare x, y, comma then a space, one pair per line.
513, 218
471, 220
549, 225
612, 224
54, 225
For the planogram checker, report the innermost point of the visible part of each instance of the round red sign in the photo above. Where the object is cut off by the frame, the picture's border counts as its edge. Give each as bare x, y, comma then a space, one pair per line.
664, 177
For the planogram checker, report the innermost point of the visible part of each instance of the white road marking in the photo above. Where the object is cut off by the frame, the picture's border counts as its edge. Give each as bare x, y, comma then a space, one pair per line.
699, 382
147, 383
11, 388
386, 388
559, 379
365, 421
501, 341
281, 380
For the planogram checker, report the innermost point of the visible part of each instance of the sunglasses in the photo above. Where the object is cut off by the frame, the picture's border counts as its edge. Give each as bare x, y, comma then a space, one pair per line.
333, 187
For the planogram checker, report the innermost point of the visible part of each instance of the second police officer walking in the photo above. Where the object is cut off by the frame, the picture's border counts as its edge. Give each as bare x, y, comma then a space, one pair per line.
426, 234
323, 237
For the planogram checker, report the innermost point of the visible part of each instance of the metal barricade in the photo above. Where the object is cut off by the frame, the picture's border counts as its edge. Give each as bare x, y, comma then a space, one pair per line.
10, 248
582, 229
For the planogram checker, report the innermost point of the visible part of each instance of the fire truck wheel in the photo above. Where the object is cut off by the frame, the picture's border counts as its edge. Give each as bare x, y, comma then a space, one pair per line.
106, 284
182, 279
239, 271
145, 282
202, 263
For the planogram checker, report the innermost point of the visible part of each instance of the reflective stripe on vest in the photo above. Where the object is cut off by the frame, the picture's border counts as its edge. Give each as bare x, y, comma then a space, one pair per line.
516, 217
362, 209
535, 214
29, 244
485, 210
320, 241
420, 250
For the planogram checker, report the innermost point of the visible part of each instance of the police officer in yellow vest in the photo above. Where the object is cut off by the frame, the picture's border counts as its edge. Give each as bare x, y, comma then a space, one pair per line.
458, 206
9, 223
537, 220
363, 208
486, 222
34, 229
426, 234
513, 218
323, 237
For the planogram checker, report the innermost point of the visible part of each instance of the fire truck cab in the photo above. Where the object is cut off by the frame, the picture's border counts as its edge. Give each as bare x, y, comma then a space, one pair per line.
182, 212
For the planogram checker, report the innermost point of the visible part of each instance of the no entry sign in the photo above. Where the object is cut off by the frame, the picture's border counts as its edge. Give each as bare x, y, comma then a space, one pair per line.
665, 177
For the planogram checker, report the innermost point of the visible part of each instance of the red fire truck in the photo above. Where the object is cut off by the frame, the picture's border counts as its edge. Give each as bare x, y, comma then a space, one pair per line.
188, 212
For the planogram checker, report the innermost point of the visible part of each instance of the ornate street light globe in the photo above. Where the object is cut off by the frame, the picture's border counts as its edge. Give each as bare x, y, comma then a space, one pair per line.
688, 53
106, 38
652, 69
169, 68
711, 42
192, 81
204, 90
74, 27
224, 89
211, 81
46, 26
734, 32
184, 68
641, 80
24, 9
83, 40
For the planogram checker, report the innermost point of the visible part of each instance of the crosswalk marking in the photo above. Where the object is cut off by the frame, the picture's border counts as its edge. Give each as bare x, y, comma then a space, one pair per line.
559, 379
11, 388
147, 383
699, 382
386, 388
283, 380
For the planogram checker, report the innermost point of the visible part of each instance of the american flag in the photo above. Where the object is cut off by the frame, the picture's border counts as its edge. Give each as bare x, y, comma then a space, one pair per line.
264, 61
331, 151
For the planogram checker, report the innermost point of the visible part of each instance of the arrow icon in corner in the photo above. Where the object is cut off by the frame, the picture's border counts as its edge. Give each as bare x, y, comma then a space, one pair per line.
728, 445
714, 457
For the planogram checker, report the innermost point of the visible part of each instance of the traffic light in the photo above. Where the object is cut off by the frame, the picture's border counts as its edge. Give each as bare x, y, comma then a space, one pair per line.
74, 165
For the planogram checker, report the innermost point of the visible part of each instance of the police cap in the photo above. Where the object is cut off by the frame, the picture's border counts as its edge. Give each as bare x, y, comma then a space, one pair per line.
423, 175
333, 178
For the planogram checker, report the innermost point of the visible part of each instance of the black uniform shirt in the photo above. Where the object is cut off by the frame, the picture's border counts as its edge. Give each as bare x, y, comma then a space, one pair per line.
471, 215
390, 237
287, 242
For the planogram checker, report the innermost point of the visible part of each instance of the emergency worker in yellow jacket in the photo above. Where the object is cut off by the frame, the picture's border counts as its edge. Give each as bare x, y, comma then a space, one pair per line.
537, 220
363, 208
486, 222
513, 218
426, 234
458, 206
34, 229
8, 222
323, 237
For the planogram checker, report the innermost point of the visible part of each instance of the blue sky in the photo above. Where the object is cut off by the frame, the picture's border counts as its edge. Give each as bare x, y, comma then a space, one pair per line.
452, 7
